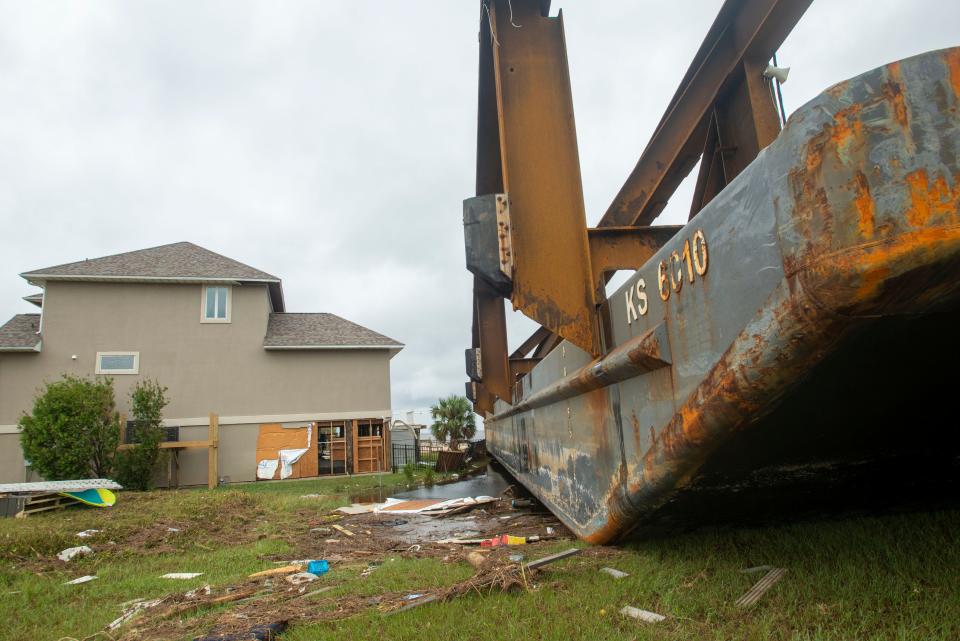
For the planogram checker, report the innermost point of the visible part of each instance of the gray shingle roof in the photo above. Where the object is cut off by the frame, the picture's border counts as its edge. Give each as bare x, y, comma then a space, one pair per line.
19, 334
288, 331
175, 261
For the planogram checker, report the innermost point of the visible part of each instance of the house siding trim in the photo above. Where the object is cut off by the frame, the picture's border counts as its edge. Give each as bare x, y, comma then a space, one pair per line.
256, 419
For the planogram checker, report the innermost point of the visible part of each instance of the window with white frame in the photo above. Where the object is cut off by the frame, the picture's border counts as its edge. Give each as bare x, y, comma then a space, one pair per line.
215, 304
118, 363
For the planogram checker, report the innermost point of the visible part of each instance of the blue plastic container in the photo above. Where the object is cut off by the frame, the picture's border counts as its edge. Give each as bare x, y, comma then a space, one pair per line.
318, 567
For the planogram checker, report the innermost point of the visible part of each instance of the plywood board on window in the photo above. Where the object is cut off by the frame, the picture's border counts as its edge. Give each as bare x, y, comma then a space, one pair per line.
273, 437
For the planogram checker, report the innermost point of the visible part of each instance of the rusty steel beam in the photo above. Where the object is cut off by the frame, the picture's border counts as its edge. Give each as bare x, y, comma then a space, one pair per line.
644, 353
525, 89
521, 366
743, 121
535, 339
614, 248
745, 35
490, 324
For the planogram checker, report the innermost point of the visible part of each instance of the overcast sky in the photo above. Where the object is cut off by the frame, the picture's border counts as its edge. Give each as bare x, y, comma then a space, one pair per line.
331, 143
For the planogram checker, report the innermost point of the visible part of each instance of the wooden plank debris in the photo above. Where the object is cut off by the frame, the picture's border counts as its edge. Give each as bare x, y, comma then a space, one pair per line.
553, 558
758, 590
342, 530
617, 574
287, 569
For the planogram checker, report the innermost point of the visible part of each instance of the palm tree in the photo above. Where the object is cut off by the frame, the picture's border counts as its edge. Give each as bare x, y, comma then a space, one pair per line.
453, 420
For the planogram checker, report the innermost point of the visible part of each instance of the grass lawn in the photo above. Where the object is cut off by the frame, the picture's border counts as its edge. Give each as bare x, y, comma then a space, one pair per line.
888, 577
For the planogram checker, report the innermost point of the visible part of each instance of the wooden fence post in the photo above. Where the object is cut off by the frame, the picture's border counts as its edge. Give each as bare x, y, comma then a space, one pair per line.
213, 438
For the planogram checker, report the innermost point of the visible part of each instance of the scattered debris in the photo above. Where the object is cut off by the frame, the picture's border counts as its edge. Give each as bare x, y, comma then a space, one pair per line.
300, 578
434, 507
265, 632
369, 570
515, 503
82, 579
415, 603
181, 575
552, 558
287, 569
70, 553
506, 539
550, 531
134, 608
642, 615
321, 530
617, 574
173, 529
205, 590
516, 558
358, 508
87, 533
342, 530
768, 581
319, 567
759, 568
476, 559
460, 541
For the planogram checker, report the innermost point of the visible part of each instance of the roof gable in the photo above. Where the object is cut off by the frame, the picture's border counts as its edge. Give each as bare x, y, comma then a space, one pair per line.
177, 261
322, 331
20, 334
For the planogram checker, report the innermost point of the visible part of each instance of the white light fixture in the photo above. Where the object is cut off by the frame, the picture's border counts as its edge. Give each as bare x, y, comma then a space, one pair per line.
780, 73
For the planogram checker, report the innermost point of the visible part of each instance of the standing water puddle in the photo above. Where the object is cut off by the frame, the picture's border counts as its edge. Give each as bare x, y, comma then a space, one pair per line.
415, 528
489, 482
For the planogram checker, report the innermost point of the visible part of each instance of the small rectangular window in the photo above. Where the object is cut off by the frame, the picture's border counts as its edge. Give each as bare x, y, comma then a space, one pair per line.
216, 304
118, 363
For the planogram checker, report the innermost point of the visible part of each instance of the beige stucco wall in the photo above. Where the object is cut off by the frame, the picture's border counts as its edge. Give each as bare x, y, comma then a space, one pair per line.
208, 367
11, 459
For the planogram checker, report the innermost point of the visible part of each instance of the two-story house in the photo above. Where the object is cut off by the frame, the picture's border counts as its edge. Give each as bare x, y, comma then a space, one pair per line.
217, 334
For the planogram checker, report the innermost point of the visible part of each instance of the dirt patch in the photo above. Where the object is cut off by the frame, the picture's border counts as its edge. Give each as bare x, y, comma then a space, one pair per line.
375, 537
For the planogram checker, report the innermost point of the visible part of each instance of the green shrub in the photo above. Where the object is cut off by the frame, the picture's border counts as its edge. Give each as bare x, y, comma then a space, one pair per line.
136, 466
429, 477
73, 430
409, 471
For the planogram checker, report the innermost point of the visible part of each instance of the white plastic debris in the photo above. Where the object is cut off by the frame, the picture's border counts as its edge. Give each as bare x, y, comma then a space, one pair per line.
173, 529
550, 530
82, 579
69, 553
181, 575
643, 615
301, 577
617, 574
87, 533
132, 611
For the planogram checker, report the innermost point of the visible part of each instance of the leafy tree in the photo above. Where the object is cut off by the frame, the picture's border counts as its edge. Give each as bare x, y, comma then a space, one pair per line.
453, 420
135, 466
73, 430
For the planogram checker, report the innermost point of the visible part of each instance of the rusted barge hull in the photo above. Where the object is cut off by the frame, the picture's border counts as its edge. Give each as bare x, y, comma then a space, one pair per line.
797, 328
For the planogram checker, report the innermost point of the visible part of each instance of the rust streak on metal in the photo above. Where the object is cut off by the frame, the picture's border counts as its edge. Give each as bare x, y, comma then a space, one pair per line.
866, 208
893, 91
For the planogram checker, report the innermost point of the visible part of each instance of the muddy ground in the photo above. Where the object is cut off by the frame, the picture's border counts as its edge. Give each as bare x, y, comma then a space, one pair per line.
274, 601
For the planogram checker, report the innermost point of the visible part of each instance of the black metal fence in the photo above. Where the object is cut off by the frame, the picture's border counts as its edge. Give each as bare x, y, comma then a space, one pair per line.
426, 453
420, 453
